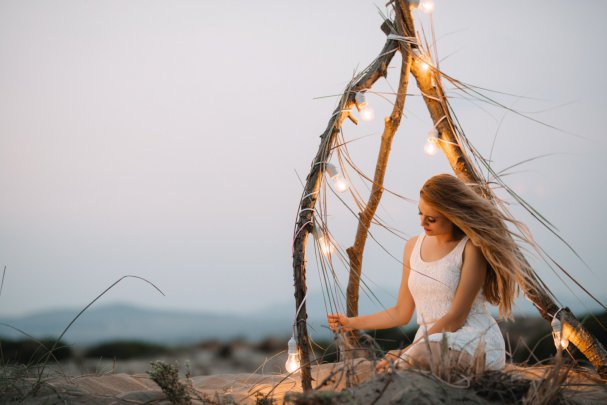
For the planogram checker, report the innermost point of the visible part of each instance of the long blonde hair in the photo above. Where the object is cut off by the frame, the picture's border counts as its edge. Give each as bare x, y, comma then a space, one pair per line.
486, 227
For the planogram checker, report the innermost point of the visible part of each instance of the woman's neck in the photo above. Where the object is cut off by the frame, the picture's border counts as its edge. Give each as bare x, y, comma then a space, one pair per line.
445, 238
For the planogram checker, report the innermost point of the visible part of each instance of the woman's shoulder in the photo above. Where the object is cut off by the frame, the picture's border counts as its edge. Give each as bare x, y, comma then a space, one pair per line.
411, 242
409, 246
472, 251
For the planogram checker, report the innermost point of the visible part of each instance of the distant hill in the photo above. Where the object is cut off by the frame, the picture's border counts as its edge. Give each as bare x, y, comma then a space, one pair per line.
121, 321
125, 321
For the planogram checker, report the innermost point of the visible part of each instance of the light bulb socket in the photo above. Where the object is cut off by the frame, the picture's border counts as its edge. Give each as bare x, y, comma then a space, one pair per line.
331, 170
560, 341
433, 135
292, 345
360, 100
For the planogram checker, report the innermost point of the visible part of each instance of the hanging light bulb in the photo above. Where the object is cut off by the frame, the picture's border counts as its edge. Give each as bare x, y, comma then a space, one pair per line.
560, 341
430, 149
292, 364
423, 60
366, 111
431, 146
427, 6
339, 182
423, 65
324, 241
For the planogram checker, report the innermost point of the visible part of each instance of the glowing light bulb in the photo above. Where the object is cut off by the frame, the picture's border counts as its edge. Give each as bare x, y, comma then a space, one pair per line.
292, 364
324, 241
423, 60
427, 6
339, 182
430, 149
366, 111
326, 247
560, 341
423, 66
431, 146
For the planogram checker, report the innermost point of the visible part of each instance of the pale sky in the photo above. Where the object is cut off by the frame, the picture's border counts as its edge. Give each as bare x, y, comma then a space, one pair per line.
162, 139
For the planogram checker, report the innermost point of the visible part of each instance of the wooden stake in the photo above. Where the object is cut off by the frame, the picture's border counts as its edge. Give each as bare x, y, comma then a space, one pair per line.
355, 253
378, 68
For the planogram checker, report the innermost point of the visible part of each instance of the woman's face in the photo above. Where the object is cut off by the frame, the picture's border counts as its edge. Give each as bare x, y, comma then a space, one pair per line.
433, 222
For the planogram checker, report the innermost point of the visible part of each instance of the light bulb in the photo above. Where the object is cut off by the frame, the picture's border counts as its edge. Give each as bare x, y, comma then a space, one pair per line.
292, 363
324, 241
326, 247
340, 183
560, 341
423, 60
431, 144
430, 149
424, 66
427, 6
367, 113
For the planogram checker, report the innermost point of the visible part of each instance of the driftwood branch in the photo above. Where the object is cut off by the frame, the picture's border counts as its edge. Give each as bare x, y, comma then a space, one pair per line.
434, 97
355, 252
378, 68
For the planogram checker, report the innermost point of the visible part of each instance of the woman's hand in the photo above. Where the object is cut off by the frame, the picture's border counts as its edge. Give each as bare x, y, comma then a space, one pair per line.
339, 323
392, 357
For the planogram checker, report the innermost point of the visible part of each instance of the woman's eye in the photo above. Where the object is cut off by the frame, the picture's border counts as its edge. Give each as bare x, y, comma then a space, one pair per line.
431, 220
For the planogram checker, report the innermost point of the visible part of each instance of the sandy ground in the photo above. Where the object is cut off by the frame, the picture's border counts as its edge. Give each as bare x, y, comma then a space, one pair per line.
330, 380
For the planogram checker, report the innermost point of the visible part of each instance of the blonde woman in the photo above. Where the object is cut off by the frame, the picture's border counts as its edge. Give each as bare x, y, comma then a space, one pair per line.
464, 259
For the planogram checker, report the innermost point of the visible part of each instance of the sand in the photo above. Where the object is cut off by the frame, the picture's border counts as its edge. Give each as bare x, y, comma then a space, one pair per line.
403, 387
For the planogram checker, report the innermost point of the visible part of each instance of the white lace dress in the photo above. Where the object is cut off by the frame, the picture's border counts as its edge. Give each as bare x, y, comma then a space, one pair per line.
432, 285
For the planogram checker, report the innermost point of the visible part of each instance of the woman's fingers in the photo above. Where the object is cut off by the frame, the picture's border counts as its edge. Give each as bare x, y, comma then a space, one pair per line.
335, 321
382, 365
391, 358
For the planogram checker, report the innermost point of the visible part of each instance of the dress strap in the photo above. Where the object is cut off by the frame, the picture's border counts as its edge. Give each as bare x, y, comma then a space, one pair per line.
416, 254
459, 249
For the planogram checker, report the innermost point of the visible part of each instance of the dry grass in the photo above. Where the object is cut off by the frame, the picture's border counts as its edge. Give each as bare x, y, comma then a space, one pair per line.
445, 381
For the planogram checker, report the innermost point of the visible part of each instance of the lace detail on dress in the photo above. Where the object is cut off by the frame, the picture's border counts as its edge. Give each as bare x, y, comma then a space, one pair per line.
433, 285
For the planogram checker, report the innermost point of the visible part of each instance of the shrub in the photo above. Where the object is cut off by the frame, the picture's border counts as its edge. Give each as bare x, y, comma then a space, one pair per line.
28, 351
125, 350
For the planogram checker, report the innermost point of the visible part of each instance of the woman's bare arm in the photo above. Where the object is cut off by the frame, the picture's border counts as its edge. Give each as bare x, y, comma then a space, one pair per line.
397, 315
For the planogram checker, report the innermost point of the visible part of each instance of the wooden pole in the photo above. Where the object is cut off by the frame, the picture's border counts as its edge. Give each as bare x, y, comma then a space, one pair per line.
355, 252
378, 68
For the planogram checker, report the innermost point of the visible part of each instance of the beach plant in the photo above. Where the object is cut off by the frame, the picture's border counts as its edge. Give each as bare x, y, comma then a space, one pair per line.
16, 379
182, 392
12, 378
548, 390
167, 378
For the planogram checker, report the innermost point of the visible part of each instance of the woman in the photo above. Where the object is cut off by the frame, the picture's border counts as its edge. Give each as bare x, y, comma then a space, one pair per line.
465, 257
